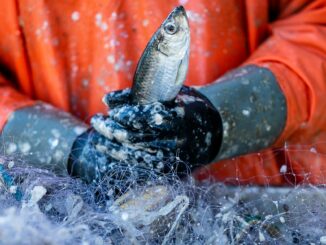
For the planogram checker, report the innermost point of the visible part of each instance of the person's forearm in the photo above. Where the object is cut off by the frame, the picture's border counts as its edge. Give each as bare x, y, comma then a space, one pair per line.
252, 107
42, 135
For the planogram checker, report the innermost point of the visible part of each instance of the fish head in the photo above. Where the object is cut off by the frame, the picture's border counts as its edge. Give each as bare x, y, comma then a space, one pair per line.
173, 36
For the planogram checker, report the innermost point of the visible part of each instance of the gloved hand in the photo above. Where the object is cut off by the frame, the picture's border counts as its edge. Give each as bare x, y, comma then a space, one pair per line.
144, 140
187, 129
94, 156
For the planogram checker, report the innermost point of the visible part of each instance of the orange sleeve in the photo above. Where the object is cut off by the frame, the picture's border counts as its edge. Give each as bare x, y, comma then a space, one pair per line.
10, 100
296, 53
14, 65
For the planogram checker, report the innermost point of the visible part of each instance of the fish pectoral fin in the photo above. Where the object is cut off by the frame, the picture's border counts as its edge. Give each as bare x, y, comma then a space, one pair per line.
182, 70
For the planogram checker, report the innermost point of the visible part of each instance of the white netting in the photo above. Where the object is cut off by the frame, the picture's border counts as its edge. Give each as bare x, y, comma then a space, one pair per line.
58, 210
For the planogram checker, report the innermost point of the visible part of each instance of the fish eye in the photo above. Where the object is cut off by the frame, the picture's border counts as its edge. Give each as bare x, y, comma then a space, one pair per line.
170, 28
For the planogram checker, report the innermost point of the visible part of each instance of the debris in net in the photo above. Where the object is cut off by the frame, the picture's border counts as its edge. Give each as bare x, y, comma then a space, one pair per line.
7, 181
323, 240
62, 210
36, 195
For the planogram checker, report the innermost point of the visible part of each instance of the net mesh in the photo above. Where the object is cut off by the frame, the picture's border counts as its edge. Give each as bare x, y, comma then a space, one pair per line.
38, 207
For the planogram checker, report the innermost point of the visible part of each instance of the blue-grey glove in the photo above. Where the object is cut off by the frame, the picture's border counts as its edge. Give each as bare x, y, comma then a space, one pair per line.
94, 157
178, 135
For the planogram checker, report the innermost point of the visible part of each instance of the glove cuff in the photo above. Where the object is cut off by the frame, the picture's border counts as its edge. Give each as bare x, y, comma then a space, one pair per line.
252, 107
42, 135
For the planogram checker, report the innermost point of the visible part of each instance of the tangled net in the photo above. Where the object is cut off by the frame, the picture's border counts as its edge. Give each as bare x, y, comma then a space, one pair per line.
38, 207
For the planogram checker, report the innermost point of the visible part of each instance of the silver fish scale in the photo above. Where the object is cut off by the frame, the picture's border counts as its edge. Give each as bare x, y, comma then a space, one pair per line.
157, 71
163, 65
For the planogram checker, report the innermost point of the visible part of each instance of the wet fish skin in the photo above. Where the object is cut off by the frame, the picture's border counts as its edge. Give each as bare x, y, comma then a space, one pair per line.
163, 65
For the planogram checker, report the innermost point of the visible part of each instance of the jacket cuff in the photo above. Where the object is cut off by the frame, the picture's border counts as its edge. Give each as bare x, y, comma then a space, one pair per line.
252, 107
42, 135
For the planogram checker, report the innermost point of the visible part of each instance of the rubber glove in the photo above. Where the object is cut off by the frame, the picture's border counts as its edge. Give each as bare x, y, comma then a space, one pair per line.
95, 158
242, 112
178, 136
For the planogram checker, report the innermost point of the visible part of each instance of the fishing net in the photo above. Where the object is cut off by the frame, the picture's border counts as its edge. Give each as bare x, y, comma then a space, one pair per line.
38, 207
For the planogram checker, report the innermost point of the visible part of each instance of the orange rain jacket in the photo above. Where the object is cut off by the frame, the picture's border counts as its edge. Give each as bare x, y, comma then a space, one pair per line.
69, 53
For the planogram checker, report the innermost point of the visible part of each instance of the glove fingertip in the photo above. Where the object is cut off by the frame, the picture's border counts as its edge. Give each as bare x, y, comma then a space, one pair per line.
115, 98
105, 100
97, 117
99, 124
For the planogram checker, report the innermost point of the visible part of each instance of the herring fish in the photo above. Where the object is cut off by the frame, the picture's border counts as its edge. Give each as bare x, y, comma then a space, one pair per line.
163, 65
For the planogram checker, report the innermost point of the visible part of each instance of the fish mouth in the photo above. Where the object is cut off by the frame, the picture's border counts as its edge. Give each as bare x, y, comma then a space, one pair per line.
179, 11
181, 14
